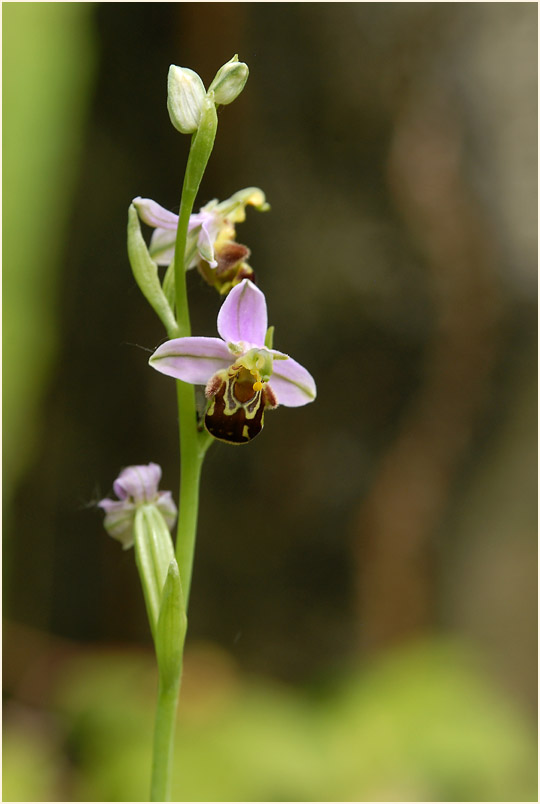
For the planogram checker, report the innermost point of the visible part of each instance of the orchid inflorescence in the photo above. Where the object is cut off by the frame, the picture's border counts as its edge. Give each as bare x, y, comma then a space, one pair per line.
236, 368
242, 374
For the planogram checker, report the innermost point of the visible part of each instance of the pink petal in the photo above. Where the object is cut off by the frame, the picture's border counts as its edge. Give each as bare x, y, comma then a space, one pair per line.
154, 215
204, 218
138, 482
292, 384
192, 360
243, 316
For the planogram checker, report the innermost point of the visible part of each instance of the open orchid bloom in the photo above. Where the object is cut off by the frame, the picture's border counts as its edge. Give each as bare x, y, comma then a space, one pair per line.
135, 486
209, 229
242, 374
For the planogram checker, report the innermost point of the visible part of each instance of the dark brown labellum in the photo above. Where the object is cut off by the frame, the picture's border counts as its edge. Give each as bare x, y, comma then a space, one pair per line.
235, 412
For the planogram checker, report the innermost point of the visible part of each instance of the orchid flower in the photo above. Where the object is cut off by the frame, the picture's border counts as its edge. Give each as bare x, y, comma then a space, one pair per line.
242, 373
210, 228
135, 486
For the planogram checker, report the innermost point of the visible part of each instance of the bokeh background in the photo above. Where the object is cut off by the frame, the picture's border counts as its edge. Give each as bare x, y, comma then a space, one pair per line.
363, 617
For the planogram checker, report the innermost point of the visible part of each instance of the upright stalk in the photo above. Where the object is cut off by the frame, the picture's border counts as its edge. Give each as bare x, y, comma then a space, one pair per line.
193, 446
199, 154
162, 760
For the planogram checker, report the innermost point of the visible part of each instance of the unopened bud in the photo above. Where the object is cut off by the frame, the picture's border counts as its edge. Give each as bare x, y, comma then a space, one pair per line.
229, 82
185, 97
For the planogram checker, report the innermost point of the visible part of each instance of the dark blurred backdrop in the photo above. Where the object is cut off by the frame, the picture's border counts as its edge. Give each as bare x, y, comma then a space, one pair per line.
396, 143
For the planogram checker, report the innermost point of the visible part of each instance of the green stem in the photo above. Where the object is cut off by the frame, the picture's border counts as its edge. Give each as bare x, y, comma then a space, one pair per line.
193, 446
199, 154
164, 741
191, 460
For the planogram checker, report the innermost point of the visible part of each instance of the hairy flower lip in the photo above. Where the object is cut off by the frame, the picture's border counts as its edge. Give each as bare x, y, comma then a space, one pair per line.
242, 324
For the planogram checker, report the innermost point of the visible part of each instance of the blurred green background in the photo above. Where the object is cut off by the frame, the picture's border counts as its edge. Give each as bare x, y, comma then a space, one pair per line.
371, 634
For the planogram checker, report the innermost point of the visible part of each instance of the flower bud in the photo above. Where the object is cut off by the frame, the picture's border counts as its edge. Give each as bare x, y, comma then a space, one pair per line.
185, 97
229, 82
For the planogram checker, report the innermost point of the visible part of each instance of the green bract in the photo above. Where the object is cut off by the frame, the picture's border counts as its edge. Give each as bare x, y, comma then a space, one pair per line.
154, 552
171, 628
145, 271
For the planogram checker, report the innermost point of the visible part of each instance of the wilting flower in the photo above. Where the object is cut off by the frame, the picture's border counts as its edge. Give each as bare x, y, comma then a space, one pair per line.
211, 242
135, 486
243, 375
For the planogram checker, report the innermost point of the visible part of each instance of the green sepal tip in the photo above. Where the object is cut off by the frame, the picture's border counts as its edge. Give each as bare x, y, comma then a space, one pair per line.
269, 338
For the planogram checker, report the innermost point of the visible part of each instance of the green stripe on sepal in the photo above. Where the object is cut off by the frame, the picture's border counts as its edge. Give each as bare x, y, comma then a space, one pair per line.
171, 629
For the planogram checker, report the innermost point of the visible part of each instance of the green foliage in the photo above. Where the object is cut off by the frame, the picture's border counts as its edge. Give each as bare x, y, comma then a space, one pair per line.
31, 762
426, 724
422, 724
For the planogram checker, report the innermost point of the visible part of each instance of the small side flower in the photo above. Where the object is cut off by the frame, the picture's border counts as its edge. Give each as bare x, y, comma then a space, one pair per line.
211, 244
135, 486
143, 516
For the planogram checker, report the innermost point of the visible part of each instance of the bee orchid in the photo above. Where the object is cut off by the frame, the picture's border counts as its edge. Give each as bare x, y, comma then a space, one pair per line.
242, 373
